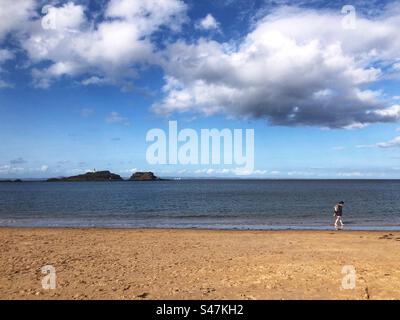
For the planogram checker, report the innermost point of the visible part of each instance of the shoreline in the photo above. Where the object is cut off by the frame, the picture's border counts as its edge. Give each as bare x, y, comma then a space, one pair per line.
272, 229
100, 263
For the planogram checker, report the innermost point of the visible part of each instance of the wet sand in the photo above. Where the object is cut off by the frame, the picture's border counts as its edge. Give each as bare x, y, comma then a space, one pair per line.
198, 264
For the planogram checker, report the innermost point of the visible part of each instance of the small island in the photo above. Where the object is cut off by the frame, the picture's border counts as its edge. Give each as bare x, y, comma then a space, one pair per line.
89, 176
106, 176
144, 176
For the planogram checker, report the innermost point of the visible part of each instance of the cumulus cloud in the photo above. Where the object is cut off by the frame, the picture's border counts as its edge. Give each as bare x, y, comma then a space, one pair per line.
13, 14
149, 15
109, 50
208, 23
296, 67
43, 78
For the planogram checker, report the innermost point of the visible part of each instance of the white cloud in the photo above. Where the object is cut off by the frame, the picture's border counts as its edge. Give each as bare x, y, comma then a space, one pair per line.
247, 172
14, 14
396, 66
389, 144
94, 80
349, 174
115, 117
208, 23
69, 17
9, 169
297, 67
301, 173
230, 171
210, 171
5, 84
106, 51
43, 78
149, 15
5, 55
4, 168
390, 112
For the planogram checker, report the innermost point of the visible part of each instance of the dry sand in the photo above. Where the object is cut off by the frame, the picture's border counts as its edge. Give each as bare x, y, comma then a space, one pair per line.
198, 264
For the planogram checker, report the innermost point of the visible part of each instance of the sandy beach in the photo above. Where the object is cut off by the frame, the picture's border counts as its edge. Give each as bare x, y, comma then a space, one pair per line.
198, 264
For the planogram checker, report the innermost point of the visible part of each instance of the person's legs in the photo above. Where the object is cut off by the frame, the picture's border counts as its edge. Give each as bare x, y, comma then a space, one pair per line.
337, 222
341, 222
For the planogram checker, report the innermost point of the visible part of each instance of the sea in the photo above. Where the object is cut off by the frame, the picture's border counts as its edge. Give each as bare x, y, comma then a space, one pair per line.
199, 203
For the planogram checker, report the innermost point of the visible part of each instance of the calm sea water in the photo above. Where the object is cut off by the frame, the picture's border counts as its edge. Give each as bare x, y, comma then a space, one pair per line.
219, 204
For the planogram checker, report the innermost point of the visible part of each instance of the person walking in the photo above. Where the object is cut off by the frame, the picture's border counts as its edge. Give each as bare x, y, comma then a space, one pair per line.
337, 213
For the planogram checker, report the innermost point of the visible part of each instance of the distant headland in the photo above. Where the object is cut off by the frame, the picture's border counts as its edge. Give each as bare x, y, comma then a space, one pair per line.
106, 176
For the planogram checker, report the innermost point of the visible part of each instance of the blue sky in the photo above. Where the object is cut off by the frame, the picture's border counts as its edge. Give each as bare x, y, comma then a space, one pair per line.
82, 82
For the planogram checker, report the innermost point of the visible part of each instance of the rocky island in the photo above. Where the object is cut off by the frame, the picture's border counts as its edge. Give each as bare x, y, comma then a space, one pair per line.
144, 176
106, 176
90, 176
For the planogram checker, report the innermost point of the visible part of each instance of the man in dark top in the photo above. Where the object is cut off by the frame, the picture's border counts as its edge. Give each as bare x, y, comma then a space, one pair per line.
337, 213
